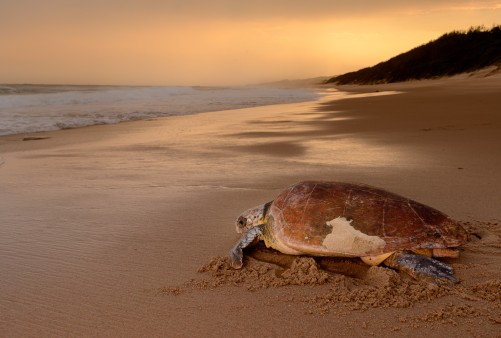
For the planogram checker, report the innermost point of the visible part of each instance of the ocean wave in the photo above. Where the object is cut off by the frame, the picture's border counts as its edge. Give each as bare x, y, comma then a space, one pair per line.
49, 108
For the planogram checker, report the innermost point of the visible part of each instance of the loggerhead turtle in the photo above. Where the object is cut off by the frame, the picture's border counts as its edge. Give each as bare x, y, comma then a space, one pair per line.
352, 220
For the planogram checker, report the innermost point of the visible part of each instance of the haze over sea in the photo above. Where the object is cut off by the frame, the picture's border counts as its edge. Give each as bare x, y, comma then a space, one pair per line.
35, 108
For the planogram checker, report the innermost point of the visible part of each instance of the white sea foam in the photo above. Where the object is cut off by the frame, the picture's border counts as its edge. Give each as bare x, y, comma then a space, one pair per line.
46, 108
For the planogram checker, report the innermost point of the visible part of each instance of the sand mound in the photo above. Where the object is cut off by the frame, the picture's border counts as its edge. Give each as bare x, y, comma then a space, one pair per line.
489, 290
256, 274
381, 287
341, 284
375, 287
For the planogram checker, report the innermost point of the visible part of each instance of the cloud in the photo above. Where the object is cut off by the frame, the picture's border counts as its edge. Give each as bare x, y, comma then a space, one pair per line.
299, 8
179, 10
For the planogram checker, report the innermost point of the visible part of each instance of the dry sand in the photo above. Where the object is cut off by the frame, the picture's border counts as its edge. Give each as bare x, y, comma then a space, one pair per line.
123, 230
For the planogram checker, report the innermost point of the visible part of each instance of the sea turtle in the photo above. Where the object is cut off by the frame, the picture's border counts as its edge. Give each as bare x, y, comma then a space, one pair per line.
353, 220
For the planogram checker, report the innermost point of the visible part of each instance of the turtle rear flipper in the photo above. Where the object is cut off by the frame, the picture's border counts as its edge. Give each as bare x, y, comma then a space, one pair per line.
420, 267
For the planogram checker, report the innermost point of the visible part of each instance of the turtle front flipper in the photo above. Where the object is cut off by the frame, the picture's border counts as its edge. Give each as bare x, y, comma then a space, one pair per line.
420, 267
249, 237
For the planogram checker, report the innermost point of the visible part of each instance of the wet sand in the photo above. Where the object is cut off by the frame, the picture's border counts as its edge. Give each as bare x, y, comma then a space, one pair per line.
122, 230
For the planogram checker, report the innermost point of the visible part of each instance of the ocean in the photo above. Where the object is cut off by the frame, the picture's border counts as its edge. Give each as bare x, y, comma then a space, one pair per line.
35, 108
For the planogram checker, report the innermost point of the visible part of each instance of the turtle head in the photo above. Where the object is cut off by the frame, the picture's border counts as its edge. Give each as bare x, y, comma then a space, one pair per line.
252, 217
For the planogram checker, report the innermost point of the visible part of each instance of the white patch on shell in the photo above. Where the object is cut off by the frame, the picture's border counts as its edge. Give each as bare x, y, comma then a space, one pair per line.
345, 239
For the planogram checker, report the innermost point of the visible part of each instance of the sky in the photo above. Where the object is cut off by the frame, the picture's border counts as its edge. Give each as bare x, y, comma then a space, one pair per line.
216, 42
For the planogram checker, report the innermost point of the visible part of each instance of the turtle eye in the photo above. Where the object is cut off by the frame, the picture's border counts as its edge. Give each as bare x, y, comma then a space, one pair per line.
242, 221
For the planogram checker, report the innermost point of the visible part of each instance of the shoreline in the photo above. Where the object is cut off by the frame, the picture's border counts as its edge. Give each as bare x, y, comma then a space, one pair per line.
51, 111
105, 227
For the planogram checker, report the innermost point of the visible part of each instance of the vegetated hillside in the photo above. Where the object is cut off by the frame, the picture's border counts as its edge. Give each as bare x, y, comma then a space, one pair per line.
453, 53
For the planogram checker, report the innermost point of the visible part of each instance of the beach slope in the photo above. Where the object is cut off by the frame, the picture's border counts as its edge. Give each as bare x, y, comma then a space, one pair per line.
122, 230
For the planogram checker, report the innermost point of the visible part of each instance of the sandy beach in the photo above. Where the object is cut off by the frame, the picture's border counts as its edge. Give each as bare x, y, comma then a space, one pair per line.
122, 230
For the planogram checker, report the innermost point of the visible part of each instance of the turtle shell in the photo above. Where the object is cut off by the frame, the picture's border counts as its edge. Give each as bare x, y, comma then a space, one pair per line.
343, 219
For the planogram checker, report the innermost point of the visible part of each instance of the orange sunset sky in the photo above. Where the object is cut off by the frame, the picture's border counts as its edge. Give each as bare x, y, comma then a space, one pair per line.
199, 42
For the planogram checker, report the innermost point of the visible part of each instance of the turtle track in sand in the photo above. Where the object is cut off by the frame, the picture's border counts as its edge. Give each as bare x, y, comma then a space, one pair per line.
340, 285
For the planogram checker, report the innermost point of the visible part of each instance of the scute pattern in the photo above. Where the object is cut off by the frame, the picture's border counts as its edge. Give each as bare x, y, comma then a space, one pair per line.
301, 212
